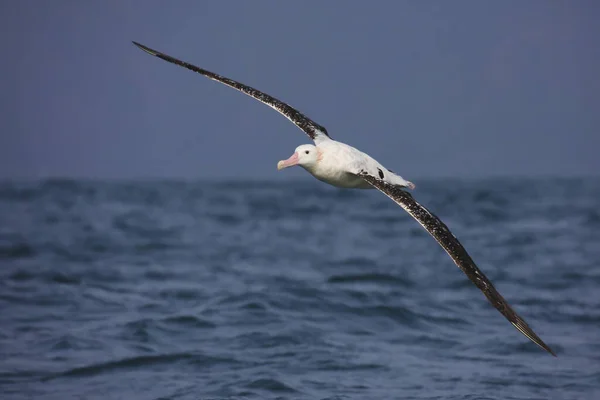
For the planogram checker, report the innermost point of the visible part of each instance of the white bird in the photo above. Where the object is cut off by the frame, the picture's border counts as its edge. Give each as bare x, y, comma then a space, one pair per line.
344, 166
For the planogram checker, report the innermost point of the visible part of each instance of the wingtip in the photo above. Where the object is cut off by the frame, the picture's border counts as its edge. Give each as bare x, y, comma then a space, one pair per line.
549, 350
144, 48
530, 334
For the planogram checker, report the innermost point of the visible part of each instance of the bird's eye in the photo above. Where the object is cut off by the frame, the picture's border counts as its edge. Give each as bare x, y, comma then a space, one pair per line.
307, 151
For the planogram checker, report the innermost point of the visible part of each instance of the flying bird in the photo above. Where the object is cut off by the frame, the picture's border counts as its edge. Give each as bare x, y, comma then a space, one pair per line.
341, 165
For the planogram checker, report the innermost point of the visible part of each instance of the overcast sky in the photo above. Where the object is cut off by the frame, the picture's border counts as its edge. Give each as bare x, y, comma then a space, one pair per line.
429, 88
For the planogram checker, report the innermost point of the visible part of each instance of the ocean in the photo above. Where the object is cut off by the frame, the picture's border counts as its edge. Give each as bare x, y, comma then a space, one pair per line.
295, 290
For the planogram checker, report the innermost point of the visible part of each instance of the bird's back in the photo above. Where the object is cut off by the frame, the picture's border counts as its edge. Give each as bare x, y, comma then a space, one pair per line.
340, 163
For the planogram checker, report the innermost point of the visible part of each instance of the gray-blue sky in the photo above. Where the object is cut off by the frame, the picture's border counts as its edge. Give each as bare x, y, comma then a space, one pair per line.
428, 88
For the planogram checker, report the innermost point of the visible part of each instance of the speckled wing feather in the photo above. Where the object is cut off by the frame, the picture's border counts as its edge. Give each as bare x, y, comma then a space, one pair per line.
315, 131
457, 252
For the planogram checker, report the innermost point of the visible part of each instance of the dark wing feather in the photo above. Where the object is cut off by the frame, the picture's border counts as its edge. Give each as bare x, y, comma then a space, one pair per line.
457, 252
311, 128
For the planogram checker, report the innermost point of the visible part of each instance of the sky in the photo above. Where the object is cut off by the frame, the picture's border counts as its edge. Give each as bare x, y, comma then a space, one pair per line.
428, 88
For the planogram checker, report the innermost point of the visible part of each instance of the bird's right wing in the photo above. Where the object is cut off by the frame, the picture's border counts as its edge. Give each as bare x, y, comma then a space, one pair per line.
315, 131
456, 251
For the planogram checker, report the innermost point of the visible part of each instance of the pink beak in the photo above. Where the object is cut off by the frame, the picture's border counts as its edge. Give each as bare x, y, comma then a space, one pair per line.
290, 162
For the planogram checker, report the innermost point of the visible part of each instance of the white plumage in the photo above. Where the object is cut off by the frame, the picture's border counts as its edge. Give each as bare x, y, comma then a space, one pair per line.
339, 165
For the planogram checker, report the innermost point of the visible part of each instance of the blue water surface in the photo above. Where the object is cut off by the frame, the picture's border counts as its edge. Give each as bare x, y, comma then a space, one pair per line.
266, 290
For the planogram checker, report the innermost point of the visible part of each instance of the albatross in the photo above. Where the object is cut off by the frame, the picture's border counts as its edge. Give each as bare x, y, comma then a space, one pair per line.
341, 165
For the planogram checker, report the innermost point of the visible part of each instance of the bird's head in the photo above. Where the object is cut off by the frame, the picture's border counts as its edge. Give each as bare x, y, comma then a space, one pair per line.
305, 156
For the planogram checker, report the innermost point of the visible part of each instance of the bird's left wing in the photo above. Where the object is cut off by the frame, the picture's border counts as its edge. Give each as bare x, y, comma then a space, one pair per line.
456, 251
315, 131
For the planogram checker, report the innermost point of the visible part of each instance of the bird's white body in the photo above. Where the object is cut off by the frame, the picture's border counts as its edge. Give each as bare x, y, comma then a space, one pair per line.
338, 164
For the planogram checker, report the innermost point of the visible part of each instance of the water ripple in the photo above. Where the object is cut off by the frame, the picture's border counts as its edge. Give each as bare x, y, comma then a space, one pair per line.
142, 362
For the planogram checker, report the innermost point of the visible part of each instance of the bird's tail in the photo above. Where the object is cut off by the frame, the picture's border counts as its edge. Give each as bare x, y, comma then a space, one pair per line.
410, 185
